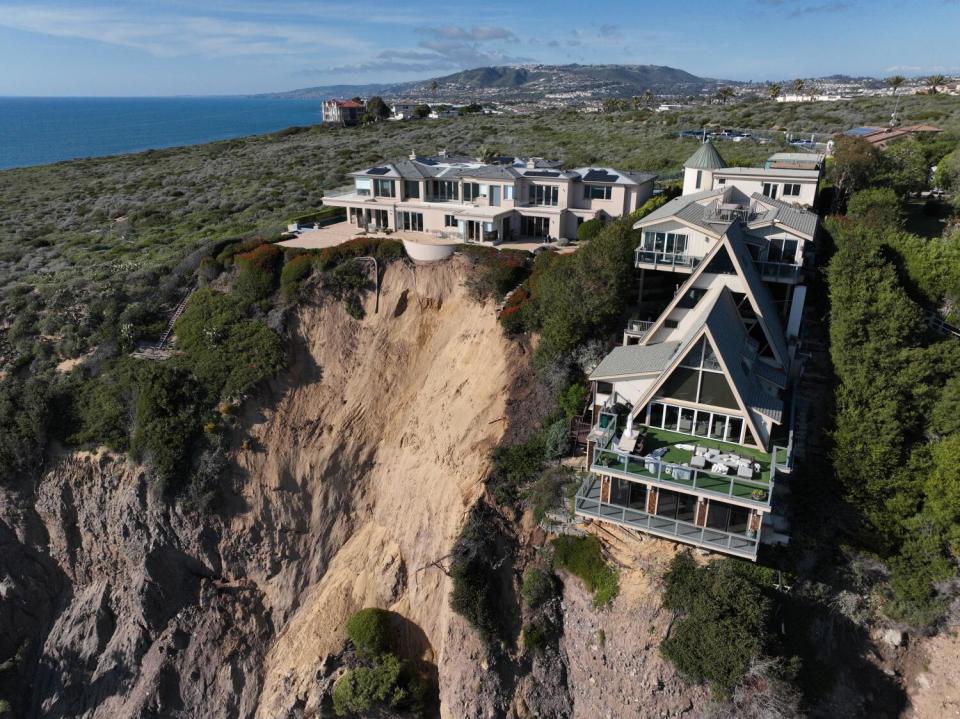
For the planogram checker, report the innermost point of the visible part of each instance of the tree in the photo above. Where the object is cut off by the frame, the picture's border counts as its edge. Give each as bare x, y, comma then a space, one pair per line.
421, 111
377, 108
724, 94
934, 82
773, 90
903, 167
648, 97
798, 87
876, 207
487, 153
895, 82
433, 88
472, 108
854, 162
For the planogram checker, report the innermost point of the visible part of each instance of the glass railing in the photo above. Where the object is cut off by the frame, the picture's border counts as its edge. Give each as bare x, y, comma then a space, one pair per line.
779, 270
663, 259
739, 544
668, 474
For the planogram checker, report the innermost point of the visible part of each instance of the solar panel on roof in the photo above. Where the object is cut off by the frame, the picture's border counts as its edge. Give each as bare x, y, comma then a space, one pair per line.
541, 173
599, 176
378, 170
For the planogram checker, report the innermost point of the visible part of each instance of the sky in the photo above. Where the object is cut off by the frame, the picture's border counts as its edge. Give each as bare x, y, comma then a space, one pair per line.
216, 47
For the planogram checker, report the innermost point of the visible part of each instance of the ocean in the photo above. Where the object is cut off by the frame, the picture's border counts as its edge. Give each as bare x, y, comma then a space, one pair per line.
40, 130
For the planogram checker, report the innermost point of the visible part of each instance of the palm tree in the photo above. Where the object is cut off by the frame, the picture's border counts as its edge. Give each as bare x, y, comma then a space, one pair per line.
934, 81
799, 86
433, 89
647, 97
773, 90
895, 82
724, 94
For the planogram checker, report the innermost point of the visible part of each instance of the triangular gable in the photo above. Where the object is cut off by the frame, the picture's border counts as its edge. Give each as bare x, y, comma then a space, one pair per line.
756, 292
720, 349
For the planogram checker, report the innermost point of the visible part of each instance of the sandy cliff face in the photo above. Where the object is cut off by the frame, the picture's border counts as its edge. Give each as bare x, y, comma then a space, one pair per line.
362, 462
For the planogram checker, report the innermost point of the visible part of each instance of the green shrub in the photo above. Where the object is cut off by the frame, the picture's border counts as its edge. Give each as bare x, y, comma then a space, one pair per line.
721, 621
494, 272
512, 317
167, 418
349, 282
24, 413
556, 440
572, 399
293, 274
535, 636
582, 557
387, 683
538, 587
514, 466
370, 631
226, 351
589, 229
258, 272
875, 207
385, 252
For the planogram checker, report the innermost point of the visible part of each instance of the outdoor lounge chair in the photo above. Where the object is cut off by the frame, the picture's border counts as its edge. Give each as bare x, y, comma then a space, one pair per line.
698, 461
745, 472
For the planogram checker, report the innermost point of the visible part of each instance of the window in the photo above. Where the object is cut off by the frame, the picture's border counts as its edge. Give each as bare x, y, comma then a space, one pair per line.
508, 192
675, 505
449, 221
545, 195
363, 186
411, 188
722, 181
682, 384
535, 226
471, 190
702, 423
628, 494
791, 190
597, 192
698, 378
445, 190
699, 178
727, 518
770, 190
412, 221
665, 243
784, 251
671, 324
720, 264
383, 188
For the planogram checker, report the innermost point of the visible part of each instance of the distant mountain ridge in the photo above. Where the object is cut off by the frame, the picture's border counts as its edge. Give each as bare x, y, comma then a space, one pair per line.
530, 82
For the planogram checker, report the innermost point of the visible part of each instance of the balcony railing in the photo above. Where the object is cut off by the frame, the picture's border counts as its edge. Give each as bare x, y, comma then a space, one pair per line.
779, 270
638, 328
670, 475
587, 504
665, 260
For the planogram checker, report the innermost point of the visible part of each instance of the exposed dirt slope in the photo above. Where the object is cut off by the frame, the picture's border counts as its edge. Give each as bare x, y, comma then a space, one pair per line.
362, 462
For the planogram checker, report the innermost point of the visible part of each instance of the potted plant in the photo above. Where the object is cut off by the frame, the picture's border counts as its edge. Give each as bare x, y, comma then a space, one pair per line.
759, 494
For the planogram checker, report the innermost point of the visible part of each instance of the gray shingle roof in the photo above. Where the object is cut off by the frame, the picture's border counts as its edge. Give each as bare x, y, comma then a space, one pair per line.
675, 205
632, 360
705, 158
783, 213
729, 335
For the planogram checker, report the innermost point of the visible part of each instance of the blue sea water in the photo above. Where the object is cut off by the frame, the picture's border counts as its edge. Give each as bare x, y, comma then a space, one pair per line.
40, 130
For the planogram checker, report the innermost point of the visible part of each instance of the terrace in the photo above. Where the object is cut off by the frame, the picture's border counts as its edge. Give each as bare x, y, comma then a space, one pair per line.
668, 457
673, 261
588, 504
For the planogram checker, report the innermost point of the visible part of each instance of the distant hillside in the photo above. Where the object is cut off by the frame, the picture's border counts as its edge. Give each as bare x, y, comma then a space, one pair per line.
531, 82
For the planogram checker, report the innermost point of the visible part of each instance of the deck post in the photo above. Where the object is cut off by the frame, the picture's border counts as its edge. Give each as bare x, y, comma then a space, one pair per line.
605, 489
700, 518
652, 501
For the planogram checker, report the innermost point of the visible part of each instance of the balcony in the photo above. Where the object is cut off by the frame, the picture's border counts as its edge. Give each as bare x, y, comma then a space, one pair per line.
779, 271
637, 328
587, 504
667, 465
666, 261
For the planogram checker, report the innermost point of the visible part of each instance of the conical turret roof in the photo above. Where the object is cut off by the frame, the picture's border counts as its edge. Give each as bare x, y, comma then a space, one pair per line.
705, 158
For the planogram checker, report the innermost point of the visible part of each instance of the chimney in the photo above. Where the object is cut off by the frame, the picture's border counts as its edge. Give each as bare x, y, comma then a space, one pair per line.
442, 153
413, 154
531, 163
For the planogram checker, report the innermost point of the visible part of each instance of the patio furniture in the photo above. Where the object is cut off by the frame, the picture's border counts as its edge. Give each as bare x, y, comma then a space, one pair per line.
719, 468
698, 461
682, 473
745, 472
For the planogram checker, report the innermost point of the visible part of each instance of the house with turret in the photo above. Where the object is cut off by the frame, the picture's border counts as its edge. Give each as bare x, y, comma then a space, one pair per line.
693, 412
